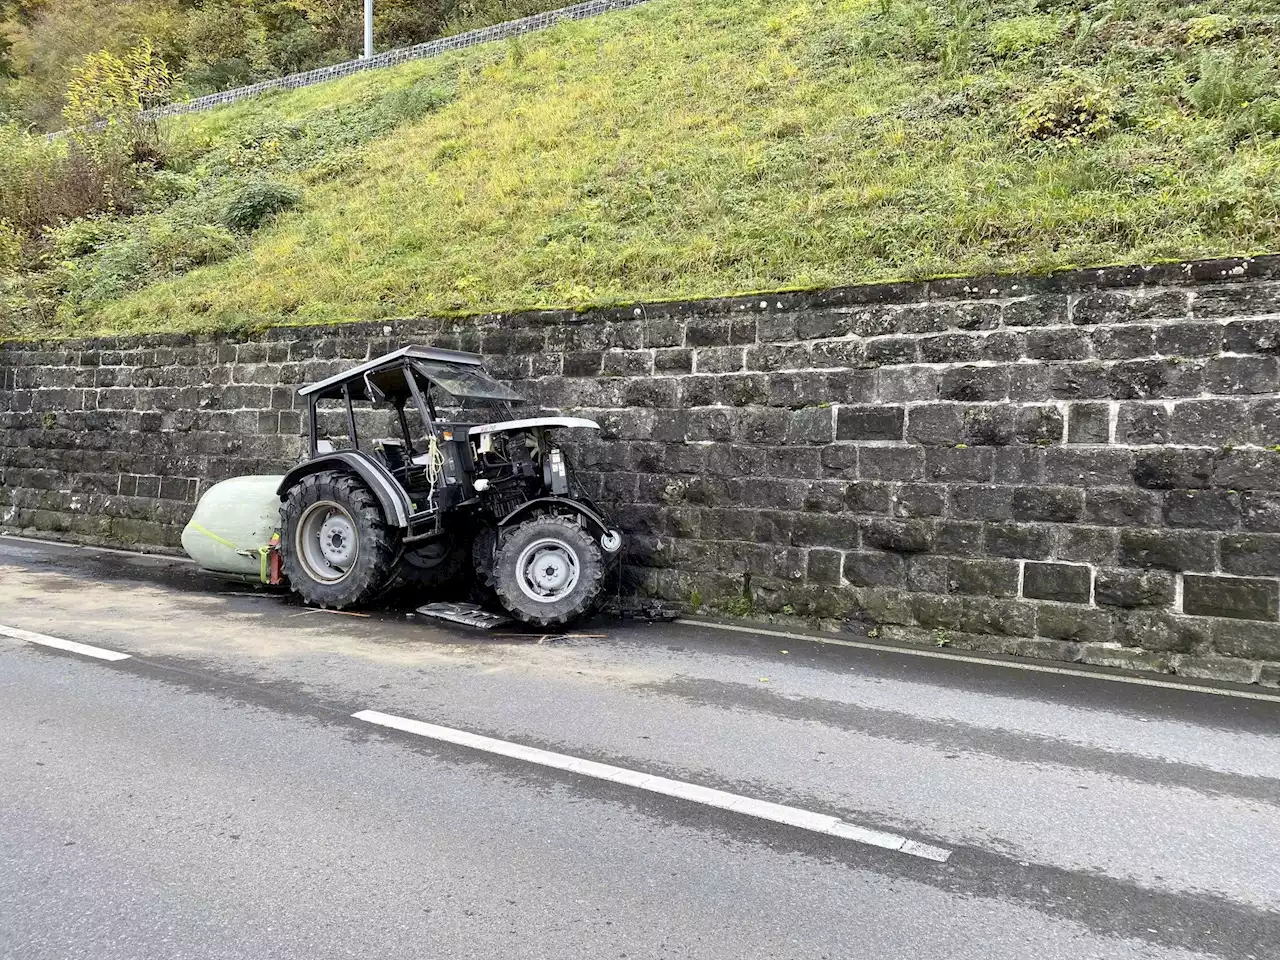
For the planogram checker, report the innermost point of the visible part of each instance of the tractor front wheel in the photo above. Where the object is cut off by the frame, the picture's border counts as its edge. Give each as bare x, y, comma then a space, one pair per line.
548, 571
335, 545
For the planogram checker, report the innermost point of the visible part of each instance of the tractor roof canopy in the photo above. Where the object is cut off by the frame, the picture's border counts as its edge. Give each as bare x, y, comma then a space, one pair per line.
458, 374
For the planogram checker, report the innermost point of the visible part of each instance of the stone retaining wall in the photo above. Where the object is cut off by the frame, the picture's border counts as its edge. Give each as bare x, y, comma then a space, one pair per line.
1082, 467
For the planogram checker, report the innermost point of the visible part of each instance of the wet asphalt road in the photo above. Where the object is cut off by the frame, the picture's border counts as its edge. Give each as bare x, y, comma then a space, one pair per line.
212, 796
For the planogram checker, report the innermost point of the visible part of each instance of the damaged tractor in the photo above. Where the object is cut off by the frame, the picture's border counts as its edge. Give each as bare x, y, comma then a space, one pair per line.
463, 486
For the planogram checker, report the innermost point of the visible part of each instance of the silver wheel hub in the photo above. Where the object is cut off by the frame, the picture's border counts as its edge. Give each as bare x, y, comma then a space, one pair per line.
548, 570
338, 540
326, 542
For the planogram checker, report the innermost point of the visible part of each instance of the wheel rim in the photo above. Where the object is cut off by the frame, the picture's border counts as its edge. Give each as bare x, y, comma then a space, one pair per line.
327, 542
548, 570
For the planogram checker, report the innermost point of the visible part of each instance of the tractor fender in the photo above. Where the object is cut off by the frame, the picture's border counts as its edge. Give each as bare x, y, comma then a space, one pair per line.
558, 505
391, 496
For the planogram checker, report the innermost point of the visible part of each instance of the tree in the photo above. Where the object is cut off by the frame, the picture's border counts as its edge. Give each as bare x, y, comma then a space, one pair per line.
111, 89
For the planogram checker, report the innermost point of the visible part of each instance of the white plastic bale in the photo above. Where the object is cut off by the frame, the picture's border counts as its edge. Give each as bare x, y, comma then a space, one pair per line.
235, 515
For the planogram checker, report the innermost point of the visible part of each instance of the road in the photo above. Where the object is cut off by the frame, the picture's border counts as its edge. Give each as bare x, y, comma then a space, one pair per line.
214, 796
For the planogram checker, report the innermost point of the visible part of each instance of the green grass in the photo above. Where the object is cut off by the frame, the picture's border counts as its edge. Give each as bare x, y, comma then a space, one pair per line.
696, 148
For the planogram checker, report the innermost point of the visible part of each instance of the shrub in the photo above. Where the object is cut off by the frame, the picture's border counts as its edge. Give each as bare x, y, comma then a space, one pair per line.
255, 203
1226, 86
175, 248
1008, 38
81, 237
1203, 30
10, 247
51, 182
1073, 108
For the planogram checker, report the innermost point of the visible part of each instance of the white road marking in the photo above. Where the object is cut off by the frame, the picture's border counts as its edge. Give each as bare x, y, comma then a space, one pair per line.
70, 645
775, 812
984, 661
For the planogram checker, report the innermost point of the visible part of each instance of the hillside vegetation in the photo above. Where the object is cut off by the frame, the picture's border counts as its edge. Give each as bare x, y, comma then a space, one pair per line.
209, 45
696, 147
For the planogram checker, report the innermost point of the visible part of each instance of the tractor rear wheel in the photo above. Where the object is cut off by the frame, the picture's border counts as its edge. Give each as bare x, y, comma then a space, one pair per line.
335, 545
548, 571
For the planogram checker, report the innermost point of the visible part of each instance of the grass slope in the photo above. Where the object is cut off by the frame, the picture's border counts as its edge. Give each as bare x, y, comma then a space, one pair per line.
707, 147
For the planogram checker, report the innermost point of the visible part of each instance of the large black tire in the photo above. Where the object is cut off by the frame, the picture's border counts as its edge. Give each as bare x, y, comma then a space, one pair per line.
548, 571
356, 560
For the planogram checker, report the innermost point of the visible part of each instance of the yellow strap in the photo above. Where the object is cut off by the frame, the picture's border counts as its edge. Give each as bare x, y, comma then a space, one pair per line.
212, 536
263, 553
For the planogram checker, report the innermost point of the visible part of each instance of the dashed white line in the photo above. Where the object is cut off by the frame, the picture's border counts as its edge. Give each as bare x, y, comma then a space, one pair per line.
58, 643
762, 809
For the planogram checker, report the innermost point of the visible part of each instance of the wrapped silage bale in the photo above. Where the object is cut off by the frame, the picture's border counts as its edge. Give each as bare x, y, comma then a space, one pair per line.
232, 525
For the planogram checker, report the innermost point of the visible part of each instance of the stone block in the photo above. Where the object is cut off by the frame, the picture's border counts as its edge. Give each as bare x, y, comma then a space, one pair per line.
918, 500
929, 574
891, 463
935, 424
981, 502
883, 351
1143, 423
823, 565
1208, 422
1123, 342
1188, 339
1175, 469
1130, 307
769, 357
1252, 641
973, 384
906, 384
987, 425
1168, 549
867, 496
870, 422
1122, 507
1260, 511
1133, 588
1084, 380
1058, 344
1243, 598
957, 537
1019, 465
1124, 658
1246, 469
837, 353
1075, 623
1053, 504
1036, 311
810, 425
1153, 379
1252, 336
719, 359
1088, 423
874, 569
1037, 424
1064, 582
988, 578
961, 463
675, 360
707, 332
1237, 300
1216, 668
1016, 540
901, 536
1207, 509
1089, 467
1257, 554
